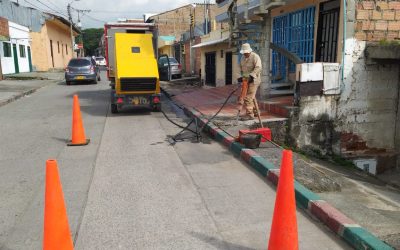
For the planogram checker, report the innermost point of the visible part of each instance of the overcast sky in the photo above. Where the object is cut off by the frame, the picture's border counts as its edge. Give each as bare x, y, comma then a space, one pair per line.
107, 10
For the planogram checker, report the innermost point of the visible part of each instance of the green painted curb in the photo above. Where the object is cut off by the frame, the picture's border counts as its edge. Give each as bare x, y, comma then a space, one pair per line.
361, 239
304, 195
220, 136
236, 148
261, 165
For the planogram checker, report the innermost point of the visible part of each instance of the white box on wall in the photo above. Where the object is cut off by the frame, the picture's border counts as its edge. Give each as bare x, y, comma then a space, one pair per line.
309, 72
331, 78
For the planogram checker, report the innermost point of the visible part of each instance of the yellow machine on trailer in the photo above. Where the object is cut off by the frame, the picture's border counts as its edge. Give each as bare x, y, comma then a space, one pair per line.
137, 80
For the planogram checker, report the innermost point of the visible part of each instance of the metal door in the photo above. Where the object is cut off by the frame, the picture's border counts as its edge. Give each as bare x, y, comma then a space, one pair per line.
295, 32
210, 69
328, 29
51, 52
228, 68
15, 59
30, 59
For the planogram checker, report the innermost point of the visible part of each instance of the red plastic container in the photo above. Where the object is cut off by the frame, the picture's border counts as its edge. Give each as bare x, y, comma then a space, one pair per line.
265, 132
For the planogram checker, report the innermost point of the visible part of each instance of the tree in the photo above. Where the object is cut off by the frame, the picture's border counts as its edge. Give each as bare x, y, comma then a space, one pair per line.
91, 39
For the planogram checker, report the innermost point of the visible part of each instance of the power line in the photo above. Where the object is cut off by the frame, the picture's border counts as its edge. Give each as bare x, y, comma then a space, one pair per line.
32, 5
56, 11
95, 19
55, 6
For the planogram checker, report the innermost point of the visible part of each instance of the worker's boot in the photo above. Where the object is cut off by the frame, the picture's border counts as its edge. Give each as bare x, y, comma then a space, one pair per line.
255, 113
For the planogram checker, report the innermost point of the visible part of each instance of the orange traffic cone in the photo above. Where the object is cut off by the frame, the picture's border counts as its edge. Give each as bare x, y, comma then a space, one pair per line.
284, 223
56, 229
78, 132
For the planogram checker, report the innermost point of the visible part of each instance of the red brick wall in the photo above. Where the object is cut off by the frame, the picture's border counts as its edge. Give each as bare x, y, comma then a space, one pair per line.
377, 20
4, 30
197, 57
187, 57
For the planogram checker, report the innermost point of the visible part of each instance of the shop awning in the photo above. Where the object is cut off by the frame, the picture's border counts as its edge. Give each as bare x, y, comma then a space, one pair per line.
208, 43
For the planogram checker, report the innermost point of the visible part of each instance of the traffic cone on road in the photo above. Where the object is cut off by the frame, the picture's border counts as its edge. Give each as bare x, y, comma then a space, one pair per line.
56, 229
284, 223
78, 132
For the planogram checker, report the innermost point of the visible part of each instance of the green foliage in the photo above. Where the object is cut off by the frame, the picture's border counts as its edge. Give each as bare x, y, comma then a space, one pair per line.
385, 42
91, 39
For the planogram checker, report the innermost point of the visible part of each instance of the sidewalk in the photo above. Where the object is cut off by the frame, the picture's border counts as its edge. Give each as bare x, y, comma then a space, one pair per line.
19, 85
360, 198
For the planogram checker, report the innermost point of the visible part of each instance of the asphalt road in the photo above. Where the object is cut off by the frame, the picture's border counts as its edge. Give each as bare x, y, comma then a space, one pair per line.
129, 188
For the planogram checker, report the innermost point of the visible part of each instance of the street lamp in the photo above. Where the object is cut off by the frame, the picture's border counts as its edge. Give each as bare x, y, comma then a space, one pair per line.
70, 24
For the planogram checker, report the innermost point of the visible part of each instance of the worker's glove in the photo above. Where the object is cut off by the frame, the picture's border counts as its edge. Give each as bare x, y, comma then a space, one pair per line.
251, 79
240, 79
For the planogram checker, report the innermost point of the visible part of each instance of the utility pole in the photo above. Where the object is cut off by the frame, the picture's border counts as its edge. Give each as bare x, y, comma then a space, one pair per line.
70, 25
80, 26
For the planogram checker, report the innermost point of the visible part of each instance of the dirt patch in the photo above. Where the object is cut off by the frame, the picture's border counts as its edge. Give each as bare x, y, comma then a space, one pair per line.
316, 179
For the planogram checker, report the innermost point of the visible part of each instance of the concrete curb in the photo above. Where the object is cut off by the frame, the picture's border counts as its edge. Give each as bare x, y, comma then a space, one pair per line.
24, 93
17, 96
340, 224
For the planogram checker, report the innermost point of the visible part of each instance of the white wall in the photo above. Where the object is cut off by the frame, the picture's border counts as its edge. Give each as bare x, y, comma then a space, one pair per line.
7, 63
19, 35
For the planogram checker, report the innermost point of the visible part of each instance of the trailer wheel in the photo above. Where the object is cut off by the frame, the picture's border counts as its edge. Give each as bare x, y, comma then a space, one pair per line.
157, 108
114, 109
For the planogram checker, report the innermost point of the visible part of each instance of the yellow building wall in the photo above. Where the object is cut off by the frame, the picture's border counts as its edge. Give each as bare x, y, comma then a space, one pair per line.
41, 53
61, 36
165, 50
220, 63
40, 60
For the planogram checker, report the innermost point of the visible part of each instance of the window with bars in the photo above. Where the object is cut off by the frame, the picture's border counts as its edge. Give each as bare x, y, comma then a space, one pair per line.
22, 52
293, 31
7, 49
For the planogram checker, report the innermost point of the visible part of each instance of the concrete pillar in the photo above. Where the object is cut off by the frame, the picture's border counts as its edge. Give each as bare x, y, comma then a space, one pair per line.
265, 54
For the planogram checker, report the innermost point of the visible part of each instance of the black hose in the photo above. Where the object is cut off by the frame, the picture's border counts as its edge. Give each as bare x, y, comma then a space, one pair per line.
176, 124
220, 109
209, 120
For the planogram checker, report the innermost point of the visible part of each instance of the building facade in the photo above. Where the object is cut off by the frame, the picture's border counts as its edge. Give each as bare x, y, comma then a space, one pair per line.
180, 28
52, 45
338, 62
16, 52
219, 61
49, 38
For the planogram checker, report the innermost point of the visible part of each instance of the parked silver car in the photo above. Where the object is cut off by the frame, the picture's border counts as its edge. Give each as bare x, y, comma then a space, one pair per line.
82, 69
175, 70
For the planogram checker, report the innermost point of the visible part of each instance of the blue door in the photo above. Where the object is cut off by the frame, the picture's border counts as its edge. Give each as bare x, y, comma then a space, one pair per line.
295, 32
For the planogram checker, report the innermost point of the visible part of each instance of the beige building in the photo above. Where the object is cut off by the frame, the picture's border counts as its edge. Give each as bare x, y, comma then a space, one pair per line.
180, 28
219, 62
52, 46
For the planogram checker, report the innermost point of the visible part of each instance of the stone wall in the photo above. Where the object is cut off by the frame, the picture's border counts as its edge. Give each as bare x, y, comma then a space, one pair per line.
363, 121
368, 106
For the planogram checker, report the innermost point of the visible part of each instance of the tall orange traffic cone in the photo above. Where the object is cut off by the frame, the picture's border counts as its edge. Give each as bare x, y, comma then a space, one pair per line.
284, 223
78, 132
56, 229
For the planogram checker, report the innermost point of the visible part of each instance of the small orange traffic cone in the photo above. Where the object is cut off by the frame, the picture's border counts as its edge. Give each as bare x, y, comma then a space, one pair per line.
78, 132
56, 229
284, 223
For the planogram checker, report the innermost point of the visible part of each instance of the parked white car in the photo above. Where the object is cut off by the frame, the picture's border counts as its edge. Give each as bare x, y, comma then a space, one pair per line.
101, 61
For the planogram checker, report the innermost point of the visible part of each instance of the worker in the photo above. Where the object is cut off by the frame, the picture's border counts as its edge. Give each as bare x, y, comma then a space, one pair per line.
250, 69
